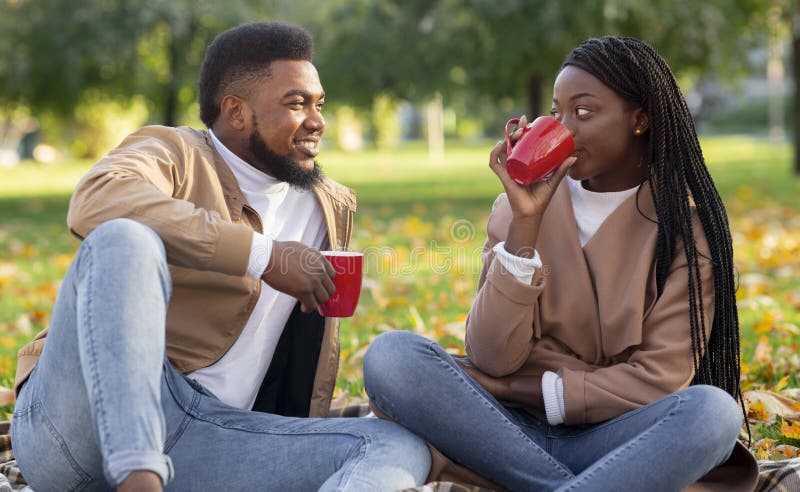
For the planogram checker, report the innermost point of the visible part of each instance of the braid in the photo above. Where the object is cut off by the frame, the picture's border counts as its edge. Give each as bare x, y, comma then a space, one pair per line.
679, 179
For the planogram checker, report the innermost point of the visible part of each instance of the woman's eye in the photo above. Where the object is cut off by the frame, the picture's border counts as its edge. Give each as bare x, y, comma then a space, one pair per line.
555, 113
581, 112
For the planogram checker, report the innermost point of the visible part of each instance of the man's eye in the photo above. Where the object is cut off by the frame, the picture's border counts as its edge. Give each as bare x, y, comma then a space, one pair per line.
320, 106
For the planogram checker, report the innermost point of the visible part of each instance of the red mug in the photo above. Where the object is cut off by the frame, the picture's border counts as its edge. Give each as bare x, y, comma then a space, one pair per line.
348, 267
542, 147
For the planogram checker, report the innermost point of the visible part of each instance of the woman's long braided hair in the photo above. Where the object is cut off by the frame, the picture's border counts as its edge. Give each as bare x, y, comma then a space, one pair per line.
678, 177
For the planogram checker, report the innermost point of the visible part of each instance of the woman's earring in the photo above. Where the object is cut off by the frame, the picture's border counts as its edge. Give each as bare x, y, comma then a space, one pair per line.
637, 131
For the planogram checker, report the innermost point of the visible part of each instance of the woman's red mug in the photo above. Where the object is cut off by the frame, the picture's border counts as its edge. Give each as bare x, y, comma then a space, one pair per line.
348, 267
542, 147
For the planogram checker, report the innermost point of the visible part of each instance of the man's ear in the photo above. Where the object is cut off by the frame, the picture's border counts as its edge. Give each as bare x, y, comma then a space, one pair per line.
233, 111
641, 122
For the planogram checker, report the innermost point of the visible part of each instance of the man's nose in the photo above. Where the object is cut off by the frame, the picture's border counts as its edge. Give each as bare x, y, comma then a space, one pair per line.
315, 121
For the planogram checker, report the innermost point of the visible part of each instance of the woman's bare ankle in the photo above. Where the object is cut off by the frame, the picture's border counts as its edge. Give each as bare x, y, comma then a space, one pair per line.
141, 481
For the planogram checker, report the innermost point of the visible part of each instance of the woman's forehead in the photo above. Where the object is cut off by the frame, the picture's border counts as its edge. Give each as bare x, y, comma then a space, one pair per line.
573, 82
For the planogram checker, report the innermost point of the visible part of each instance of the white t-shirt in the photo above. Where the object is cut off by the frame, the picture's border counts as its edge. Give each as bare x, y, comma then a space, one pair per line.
287, 214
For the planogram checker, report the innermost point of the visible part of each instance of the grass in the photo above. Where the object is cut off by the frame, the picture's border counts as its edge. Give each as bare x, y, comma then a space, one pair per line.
423, 225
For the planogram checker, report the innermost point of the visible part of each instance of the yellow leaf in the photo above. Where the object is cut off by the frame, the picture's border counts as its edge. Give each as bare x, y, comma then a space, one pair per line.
763, 353
790, 429
763, 448
757, 411
784, 382
773, 403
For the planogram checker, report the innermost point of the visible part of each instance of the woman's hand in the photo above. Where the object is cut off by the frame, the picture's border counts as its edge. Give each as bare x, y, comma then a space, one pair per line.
528, 203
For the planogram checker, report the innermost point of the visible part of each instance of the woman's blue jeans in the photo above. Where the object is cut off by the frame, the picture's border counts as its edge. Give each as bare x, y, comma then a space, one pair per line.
663, 446
103, 400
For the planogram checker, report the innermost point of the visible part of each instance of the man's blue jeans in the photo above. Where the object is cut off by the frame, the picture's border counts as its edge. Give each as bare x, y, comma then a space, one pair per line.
663, 446
103, 400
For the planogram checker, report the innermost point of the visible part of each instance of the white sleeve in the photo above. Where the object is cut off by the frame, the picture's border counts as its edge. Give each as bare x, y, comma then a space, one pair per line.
553, 394
522, 268
260, 253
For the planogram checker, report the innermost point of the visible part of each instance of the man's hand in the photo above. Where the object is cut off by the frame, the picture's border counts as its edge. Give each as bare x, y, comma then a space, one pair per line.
300, 271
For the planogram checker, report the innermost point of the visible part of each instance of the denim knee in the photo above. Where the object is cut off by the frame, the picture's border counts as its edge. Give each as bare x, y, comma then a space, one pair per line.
405, 448
129, 234
717, 418
391, 362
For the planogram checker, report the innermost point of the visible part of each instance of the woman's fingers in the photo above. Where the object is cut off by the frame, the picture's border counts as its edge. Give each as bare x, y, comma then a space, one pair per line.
497, 163
523, 122
497, 158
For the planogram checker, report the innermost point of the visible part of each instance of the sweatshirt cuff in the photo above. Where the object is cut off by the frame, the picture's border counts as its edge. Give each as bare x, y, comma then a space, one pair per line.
521, 268
574, 382
260, 253
553, 394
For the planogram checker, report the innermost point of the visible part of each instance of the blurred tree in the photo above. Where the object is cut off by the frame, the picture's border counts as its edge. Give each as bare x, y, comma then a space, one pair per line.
789, 12
53, 51
795, 60
513, 48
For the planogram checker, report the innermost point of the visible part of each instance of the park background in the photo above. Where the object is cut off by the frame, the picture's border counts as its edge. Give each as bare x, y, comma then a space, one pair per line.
417, 92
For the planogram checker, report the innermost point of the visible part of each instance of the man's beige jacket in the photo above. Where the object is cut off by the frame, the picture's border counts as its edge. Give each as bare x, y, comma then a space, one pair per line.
174, 181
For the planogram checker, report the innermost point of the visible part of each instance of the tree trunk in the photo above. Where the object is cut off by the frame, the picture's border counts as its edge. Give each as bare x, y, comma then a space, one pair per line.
171, 89
435, 118
535, 98
796, 76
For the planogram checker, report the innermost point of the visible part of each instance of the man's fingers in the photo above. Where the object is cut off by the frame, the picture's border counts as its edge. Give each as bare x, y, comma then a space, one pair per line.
321, 294
328, 285
329, 270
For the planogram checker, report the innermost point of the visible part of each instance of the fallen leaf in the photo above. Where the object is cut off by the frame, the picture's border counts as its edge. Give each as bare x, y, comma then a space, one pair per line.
790, 429
787, 450
763, 353
783, 383
758, 411
774, 404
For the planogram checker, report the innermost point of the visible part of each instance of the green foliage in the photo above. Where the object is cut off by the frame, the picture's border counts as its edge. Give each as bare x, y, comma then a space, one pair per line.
751, 116
53, 51
385, 123
510, 48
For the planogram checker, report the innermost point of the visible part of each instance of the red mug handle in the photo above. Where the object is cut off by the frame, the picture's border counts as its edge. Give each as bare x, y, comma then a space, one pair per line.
512, 121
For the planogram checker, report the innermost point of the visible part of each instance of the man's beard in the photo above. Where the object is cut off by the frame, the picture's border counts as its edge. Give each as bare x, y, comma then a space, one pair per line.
281, 167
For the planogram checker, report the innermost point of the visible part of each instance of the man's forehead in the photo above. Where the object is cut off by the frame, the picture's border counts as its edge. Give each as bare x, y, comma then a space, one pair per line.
294, 75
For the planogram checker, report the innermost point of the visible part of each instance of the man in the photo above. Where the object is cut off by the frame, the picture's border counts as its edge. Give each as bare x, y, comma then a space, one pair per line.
213, 235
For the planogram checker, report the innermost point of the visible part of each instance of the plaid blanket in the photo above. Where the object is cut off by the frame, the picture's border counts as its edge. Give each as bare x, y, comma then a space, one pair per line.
774, 476
779, 476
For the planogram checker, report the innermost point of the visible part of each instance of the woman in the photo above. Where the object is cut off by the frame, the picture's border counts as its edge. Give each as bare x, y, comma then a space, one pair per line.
603, 349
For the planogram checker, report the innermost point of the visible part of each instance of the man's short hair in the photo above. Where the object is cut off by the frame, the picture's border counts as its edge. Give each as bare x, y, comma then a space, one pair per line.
240, 56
